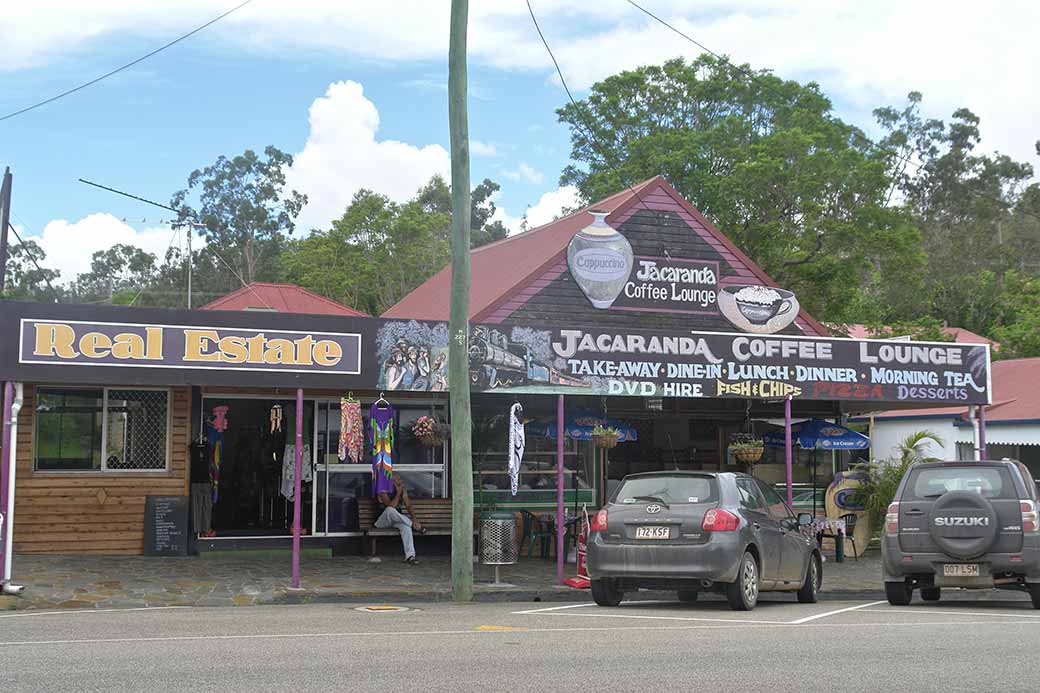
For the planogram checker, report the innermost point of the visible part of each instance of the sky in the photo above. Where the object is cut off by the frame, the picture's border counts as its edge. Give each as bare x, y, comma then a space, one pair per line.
357, 92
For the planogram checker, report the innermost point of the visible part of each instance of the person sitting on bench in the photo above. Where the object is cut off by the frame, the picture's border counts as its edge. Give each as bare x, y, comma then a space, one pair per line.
391, 517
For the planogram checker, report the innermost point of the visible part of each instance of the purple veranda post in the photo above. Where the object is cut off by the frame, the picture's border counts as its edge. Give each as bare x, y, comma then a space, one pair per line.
982, 432
298, 466
788, 460
8, 398
561, 431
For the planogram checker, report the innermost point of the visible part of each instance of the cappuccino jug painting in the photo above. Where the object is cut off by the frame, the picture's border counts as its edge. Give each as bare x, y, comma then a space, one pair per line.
600, 260
758, 309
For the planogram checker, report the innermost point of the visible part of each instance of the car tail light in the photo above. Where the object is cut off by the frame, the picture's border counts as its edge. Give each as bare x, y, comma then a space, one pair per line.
599, 521
1030, 520
719, 520
892, 519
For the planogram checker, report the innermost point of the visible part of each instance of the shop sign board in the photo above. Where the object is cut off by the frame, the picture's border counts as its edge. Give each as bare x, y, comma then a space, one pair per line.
128, 346
666, 285
691, 364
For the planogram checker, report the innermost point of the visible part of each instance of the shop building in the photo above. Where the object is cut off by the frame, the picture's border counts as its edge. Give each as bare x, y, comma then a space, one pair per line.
643, 313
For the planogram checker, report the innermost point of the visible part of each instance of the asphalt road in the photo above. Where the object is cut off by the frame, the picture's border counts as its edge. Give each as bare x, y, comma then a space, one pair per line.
834, 646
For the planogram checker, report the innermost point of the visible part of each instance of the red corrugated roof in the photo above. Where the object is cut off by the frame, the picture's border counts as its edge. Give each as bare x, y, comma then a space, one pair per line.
281, 298
1016, 396
959, 334
498, 269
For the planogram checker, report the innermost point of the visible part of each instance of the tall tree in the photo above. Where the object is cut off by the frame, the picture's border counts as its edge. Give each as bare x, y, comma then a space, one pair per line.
24, 282
798, 189
116, 275
246, 211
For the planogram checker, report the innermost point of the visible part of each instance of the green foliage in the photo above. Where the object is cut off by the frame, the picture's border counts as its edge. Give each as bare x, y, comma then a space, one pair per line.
116, 275
23, 282
883, 476
795, 187
1019, 331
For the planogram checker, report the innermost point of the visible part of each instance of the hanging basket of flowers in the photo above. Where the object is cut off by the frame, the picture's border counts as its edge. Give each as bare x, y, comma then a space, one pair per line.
605, 437
748, 451
430, 432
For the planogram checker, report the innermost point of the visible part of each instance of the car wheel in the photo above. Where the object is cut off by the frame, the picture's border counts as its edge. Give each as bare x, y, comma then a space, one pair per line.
688, 595
809, 592
930, 594
742, 595
606, 593
1034, 593
899, 593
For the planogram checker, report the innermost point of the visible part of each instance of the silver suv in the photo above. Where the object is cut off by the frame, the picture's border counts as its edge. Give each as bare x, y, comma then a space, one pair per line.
962, 524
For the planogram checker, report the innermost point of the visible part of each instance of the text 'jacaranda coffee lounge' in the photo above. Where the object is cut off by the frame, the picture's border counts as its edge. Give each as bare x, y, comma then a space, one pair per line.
641, 317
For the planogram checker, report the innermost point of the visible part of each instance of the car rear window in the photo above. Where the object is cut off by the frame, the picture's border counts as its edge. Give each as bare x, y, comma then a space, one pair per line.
930, 483
670, 489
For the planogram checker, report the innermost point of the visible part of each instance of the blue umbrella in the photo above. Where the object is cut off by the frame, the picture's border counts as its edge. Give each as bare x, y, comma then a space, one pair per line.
816, 434
813, 434
580, 426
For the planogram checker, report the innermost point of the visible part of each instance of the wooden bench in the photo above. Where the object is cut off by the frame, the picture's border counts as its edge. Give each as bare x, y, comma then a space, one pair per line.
434, 514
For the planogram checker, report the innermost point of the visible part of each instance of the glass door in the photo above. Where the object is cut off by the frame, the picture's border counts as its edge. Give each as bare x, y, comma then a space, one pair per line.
339, 484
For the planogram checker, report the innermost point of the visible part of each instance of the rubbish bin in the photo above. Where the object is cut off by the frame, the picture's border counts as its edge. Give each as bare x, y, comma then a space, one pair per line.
498, 542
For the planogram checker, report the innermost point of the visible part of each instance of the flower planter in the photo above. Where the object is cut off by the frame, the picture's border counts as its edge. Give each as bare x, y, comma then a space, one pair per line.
749, 455
605, 441
430, 441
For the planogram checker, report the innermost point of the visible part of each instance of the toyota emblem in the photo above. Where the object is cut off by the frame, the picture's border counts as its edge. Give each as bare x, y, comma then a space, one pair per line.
653, 509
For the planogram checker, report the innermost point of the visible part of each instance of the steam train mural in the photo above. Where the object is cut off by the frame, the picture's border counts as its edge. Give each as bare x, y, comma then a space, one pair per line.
413, 356
495, 362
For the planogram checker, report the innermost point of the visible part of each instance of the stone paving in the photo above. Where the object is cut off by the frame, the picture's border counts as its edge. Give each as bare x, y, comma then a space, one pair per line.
89, 582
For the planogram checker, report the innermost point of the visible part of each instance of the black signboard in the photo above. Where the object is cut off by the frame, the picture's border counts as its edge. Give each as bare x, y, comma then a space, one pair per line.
166, 526
671, 285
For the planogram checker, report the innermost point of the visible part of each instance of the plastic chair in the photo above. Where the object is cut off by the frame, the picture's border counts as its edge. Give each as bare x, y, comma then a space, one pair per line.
850, 527
534, 529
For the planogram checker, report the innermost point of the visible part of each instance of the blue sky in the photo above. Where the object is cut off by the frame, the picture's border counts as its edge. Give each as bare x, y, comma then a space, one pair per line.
375, 76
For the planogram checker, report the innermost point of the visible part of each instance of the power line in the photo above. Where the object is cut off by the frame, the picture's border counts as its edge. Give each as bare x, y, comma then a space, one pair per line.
173, 237
28, 253
123, 67
126, 194
855, 131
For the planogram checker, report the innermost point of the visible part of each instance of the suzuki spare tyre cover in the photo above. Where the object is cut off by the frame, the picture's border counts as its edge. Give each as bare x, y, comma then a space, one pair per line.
963, 524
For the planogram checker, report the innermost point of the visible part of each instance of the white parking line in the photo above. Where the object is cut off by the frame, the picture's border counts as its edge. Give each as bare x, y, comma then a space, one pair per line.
26, 614
939, 610
554, 608
833, 613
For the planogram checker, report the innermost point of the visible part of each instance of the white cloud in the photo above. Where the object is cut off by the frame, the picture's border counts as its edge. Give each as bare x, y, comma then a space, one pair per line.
525, 174
483, 148
549, 206
70, 245
343, 155
863, 54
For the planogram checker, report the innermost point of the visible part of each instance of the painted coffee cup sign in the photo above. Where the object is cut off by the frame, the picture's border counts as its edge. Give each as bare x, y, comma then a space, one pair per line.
671, 285
600, 260
759, 309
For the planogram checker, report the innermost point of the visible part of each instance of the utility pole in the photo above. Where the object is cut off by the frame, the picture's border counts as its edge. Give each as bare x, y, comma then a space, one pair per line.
5, 220
458, 324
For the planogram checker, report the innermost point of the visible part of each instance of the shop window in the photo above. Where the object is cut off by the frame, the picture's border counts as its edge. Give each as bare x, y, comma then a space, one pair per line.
81, 430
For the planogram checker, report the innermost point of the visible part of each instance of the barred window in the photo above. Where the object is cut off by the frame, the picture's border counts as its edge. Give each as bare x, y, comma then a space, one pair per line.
101, 429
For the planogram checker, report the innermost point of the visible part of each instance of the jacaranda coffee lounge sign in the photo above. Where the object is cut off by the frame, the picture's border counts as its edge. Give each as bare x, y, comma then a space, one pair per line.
671, 285
73, 342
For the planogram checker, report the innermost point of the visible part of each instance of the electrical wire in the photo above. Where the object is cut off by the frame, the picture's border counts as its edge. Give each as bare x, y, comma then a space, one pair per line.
173, 237
123, 67
855, 131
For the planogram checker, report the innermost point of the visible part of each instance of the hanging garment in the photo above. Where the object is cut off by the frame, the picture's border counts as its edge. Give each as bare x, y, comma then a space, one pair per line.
516, 445
220, 421
215, 438
351, 431
289, 469
276, 419
382, 427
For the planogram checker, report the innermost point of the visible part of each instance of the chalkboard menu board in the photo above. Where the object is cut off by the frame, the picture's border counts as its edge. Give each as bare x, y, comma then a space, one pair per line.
166, 526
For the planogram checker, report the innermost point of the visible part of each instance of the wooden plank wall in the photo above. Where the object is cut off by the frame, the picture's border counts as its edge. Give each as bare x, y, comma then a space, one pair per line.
92, 513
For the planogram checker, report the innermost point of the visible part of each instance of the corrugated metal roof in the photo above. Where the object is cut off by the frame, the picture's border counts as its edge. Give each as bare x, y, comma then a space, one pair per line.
280, 298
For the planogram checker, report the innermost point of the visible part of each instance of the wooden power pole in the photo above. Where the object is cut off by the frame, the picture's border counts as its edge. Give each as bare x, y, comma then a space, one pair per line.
458, 324
5, 219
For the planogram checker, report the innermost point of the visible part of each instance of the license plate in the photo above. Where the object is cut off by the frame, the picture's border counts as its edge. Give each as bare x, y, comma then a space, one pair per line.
651, 532
961, 570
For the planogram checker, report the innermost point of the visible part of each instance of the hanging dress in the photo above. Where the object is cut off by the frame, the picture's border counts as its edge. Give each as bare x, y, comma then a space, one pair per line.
382, 425
351, 431
516, 445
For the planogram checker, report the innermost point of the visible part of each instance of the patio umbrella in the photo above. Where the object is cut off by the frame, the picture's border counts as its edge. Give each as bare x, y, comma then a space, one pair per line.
817, 434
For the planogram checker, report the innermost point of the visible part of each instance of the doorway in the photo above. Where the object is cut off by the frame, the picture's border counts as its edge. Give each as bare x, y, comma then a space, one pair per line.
254, 493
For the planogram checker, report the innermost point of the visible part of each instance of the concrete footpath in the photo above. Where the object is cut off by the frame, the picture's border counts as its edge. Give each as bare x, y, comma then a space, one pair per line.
98, 582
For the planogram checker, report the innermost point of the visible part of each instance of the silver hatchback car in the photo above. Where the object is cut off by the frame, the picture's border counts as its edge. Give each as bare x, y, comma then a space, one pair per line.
700, 531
